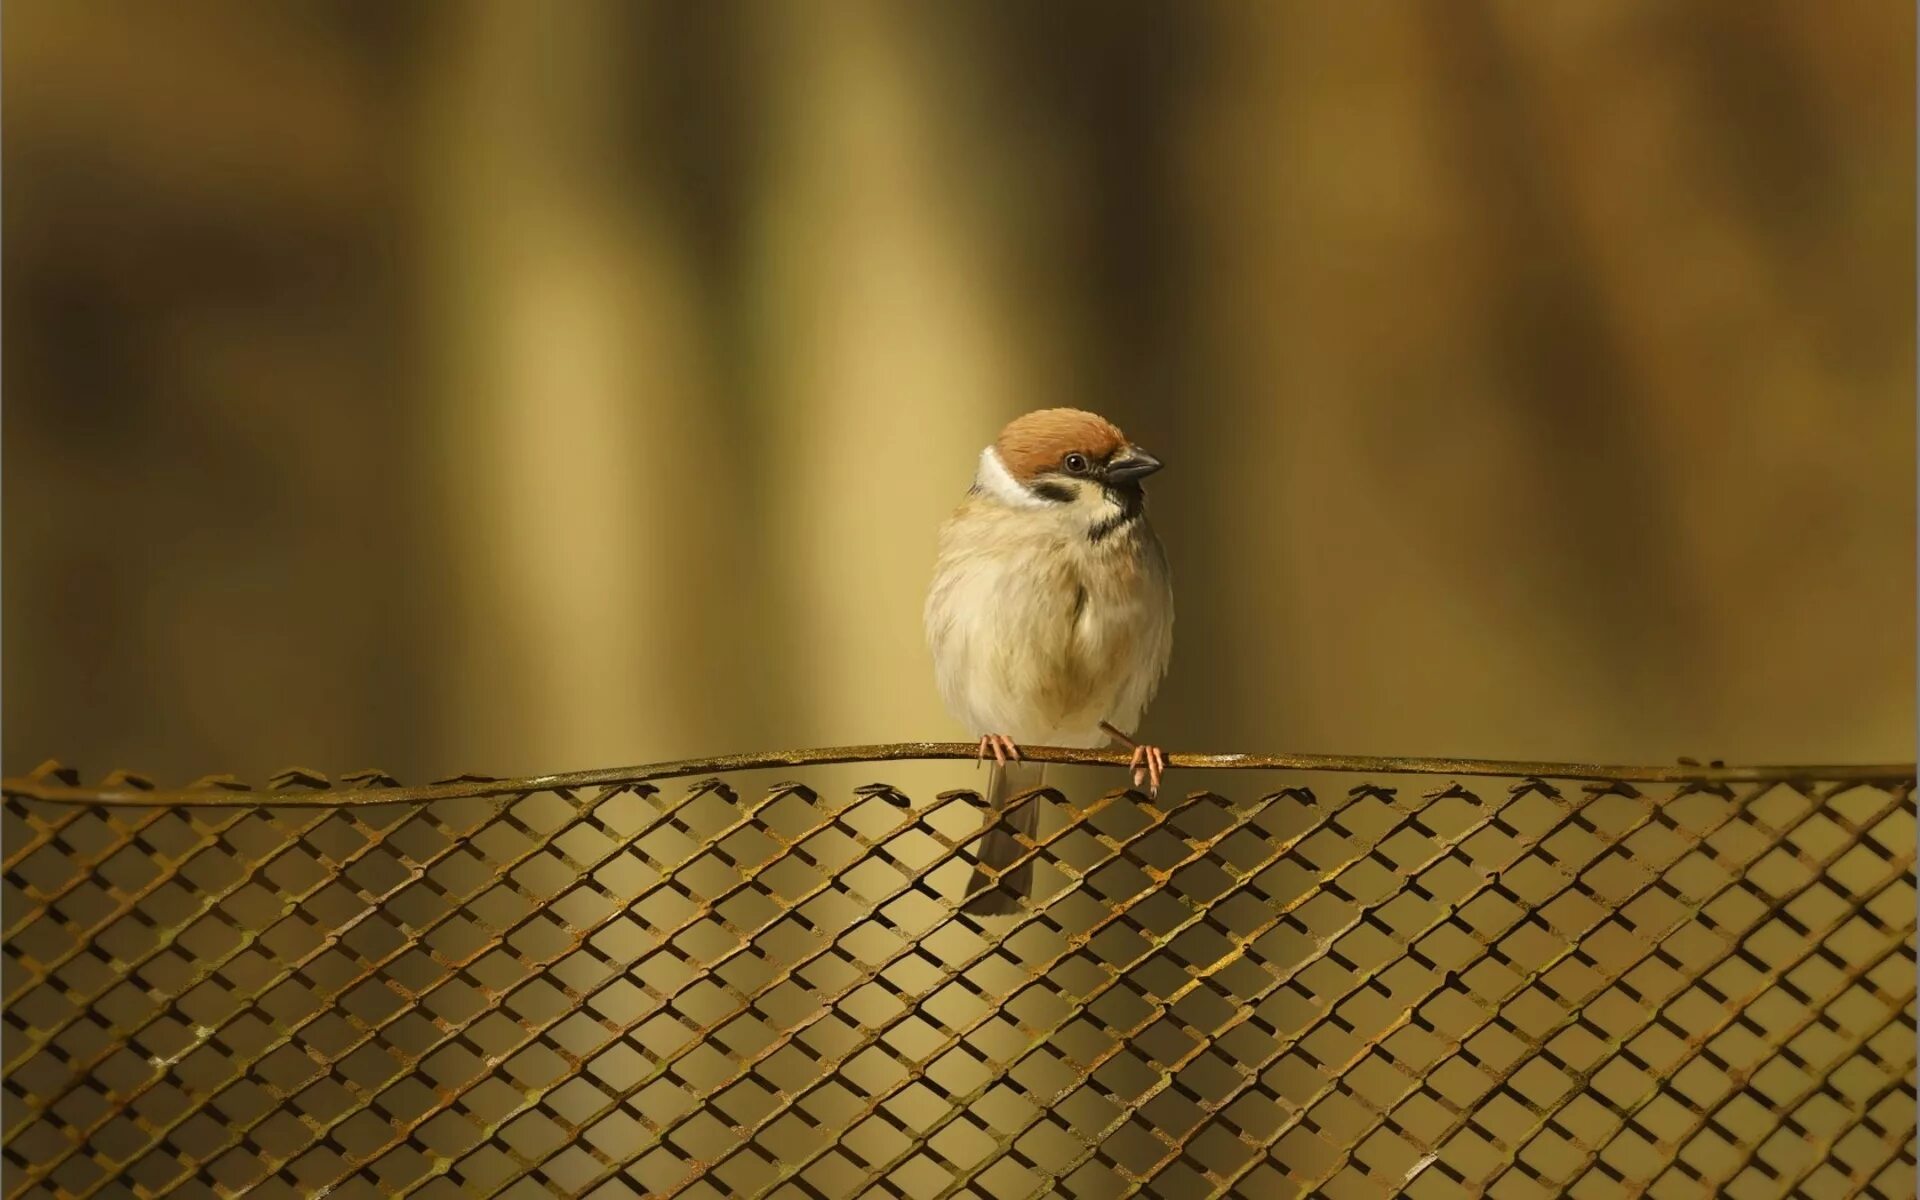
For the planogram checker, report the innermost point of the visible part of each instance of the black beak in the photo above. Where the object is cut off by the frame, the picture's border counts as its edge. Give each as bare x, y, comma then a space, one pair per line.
1132, 465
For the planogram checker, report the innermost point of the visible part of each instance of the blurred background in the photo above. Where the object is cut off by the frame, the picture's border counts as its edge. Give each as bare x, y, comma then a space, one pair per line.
508, 388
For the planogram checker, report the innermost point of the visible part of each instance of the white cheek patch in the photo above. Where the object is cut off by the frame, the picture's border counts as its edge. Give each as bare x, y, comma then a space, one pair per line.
995, 480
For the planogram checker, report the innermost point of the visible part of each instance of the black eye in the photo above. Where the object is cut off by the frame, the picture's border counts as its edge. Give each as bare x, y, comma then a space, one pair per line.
1077, 464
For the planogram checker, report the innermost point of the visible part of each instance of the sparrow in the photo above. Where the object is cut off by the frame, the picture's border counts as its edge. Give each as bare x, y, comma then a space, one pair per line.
1050, 617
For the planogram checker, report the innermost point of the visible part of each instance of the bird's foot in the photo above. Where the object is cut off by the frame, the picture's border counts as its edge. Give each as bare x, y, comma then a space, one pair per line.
1149, 762
1148, 765
1002, 747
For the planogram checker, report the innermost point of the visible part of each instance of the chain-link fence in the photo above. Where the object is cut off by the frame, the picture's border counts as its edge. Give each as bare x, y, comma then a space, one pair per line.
1342, 978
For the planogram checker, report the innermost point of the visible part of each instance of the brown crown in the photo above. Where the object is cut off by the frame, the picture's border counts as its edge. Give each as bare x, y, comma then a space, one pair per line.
1036, 443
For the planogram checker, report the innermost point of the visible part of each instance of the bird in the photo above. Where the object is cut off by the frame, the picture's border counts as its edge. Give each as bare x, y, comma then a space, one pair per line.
1049, 618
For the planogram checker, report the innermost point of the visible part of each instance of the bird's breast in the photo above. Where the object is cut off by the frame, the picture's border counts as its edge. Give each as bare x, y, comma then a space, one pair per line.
1043, 634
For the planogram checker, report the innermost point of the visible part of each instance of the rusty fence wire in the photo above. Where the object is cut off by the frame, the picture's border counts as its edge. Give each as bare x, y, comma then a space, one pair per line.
1317, 977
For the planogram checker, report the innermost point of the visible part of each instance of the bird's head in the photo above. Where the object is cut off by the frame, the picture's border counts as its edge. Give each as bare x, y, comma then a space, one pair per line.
1076, 464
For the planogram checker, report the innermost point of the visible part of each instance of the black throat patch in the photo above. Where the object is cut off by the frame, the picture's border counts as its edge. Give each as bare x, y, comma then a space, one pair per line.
1133, 505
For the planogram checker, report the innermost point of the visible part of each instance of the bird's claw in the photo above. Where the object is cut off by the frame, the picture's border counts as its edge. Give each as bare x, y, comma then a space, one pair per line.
1002, 747
1149, 763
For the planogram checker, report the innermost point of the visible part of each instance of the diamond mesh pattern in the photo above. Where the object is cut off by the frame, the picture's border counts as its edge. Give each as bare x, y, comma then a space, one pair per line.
1516, 988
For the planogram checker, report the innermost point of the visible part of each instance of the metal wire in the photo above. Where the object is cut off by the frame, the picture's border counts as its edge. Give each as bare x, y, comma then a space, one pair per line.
1426, 978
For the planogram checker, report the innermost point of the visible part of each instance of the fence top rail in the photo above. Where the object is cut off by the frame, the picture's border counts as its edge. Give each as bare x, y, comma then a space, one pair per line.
299, 787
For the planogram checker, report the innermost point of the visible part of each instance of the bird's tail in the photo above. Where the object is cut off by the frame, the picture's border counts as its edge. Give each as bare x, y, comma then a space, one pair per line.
992, 893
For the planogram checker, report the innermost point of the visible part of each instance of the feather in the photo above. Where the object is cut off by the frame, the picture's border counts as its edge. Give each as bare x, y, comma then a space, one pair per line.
994, 890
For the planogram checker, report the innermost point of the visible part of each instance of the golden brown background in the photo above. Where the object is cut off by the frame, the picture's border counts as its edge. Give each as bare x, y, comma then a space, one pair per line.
516, 387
